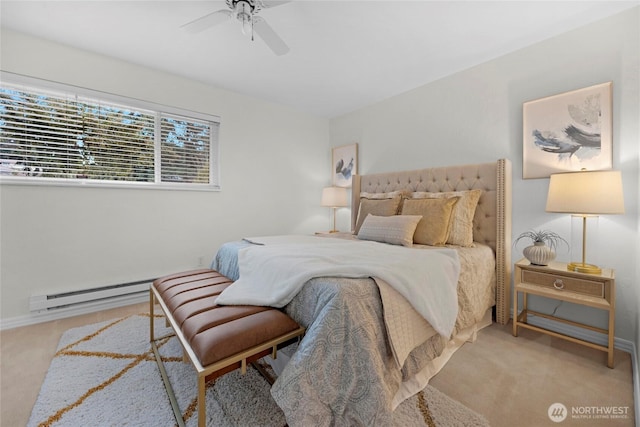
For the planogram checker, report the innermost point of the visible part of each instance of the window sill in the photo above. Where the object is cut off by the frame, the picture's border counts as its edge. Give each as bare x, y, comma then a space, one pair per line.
88, 183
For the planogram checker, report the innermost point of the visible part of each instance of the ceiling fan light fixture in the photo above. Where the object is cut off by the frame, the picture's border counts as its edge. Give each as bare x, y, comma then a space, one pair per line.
243, 12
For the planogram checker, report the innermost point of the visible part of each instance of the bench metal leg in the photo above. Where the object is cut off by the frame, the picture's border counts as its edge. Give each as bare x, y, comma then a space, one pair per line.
202, 419
167, 385
163, 373
151, 324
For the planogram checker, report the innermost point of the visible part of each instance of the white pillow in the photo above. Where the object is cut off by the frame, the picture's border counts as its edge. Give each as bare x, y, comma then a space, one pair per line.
395, 229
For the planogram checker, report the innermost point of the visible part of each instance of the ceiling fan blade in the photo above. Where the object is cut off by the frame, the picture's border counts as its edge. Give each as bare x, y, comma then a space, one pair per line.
208, 21
271, 39
266, 4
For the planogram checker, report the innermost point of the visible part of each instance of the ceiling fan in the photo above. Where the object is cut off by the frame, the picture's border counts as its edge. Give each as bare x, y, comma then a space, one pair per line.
245, 11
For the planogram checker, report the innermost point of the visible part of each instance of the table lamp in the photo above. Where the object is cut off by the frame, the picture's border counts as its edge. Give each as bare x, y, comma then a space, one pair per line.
334, 197
584, 194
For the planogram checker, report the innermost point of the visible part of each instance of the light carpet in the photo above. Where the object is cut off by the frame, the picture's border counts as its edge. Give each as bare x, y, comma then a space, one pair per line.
105, 374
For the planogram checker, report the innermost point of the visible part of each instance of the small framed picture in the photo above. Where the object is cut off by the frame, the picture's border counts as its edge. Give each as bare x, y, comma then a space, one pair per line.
344, 161
570, 131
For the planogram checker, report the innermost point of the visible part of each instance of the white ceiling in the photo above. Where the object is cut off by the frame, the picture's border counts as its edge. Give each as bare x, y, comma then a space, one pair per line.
343, 54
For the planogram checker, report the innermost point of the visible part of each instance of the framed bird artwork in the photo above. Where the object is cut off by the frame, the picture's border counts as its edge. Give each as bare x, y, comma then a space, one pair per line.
344, 161
567, 132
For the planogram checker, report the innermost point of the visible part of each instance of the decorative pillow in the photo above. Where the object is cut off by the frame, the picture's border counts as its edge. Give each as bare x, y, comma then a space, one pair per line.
461, 233
435, 225
396, 229
377, 196
380, 204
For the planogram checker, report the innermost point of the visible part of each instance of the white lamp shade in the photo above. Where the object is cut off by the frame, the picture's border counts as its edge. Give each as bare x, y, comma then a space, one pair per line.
586, 193
335, 197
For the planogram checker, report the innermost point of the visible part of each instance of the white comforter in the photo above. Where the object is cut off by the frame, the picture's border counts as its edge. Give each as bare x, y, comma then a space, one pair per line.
274, 271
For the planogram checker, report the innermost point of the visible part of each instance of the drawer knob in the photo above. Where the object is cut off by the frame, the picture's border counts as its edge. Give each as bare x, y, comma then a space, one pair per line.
558, 284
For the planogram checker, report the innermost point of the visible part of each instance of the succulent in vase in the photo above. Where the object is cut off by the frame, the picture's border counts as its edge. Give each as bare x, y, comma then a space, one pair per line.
542, 251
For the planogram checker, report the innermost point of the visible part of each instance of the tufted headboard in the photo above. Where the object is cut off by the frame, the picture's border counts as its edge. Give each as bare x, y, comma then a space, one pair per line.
492, 220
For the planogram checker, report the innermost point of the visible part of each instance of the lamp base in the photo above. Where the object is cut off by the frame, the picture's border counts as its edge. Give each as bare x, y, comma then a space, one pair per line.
582, 267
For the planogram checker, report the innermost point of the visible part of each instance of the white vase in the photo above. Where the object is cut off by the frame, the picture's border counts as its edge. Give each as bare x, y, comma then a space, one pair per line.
539, 254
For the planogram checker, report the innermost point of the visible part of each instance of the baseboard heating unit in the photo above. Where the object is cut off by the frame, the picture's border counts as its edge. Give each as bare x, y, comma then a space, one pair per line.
122, 292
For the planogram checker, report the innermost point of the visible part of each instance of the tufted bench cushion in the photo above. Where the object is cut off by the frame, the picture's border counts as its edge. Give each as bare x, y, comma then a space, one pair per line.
216, 339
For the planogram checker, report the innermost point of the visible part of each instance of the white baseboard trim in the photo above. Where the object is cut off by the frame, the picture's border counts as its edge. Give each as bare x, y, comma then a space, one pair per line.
636, 384
91, 307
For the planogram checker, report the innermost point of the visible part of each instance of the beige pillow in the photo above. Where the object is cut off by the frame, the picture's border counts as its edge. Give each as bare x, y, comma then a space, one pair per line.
380, 204
435, 225
396, 229
389, 195
461, 233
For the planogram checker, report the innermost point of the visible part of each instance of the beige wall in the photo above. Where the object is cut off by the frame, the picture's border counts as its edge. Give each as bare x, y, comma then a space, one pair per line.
274, 163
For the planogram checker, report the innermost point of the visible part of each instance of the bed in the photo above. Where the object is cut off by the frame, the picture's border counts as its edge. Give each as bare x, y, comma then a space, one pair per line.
368, 346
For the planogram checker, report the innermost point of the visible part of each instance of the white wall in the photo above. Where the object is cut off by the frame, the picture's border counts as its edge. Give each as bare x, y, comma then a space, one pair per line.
476, 116
274, 163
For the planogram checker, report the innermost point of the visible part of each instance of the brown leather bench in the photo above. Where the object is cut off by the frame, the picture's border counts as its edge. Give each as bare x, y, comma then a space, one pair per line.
216, 339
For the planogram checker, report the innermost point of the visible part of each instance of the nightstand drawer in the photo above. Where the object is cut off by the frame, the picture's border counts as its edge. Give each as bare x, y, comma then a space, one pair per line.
565, 283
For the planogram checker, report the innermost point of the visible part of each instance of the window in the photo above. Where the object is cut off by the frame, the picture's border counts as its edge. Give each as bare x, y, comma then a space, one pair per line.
69, 135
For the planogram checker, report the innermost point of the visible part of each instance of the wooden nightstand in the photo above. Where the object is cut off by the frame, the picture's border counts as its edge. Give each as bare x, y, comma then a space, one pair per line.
556, 282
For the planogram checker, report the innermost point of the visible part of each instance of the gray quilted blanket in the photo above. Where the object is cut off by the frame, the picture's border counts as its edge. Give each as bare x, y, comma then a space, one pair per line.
343, 372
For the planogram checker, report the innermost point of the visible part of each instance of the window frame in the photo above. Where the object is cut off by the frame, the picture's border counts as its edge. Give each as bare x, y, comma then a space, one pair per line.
133, 103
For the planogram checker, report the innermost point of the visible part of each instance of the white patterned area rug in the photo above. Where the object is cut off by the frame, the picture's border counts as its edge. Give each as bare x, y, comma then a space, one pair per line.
105, 374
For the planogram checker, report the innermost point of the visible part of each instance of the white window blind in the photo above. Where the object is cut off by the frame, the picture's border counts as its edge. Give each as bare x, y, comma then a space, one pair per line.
185, 149
65, 136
